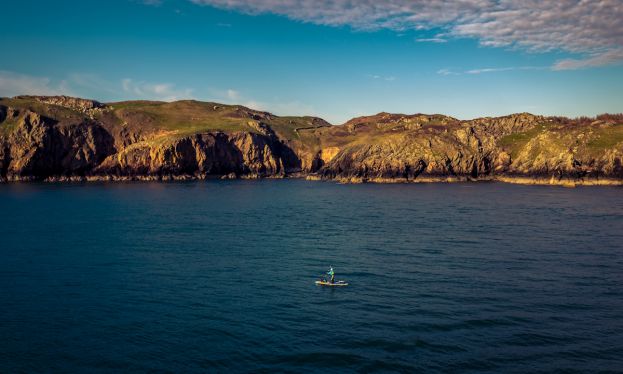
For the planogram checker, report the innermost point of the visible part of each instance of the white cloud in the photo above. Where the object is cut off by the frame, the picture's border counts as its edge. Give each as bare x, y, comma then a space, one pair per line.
276, 106
591, 28
611, 57
155, 91
490, 70
389, 78
13, 84
447, 72
431, 40
81, 84
233, 94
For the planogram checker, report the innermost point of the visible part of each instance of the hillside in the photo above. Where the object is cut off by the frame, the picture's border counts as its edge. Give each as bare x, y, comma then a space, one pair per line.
64, 138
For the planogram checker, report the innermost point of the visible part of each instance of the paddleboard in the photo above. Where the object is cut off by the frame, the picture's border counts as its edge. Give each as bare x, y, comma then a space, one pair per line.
329, 284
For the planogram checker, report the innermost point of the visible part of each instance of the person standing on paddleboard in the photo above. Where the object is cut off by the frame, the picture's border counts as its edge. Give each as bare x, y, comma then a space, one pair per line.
331, 273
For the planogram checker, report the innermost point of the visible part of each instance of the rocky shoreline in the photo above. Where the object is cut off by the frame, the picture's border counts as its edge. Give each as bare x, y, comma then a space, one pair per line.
540, 181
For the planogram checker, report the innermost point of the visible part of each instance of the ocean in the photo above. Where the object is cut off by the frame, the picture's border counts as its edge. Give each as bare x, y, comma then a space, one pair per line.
218, 276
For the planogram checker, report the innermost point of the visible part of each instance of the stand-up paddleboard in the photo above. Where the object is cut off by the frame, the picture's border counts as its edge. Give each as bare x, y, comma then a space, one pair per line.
329, 284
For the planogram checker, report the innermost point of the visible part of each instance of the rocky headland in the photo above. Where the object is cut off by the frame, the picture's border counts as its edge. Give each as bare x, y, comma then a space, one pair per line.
59, 138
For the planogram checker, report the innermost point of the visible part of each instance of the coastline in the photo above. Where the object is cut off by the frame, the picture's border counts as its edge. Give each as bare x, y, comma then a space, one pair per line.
534, 181
523, 180
64, 139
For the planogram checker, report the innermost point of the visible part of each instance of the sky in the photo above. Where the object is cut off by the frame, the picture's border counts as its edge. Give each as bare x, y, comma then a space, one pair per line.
336, 59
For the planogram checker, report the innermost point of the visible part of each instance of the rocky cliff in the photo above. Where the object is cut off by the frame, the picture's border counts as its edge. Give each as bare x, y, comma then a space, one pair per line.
64, 138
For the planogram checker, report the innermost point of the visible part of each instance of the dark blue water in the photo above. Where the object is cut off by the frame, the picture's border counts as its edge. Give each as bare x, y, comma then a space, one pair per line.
219, 276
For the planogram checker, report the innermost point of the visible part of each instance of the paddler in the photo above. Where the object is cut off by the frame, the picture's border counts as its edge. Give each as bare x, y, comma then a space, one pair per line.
331, 273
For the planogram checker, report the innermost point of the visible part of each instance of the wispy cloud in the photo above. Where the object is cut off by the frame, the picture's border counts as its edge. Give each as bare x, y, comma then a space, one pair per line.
155, 91
590, 28
389, 78
12, 84
431, 40
233, 94
611, 57
509, 68
490, 70
275, 106
81, 84
75, 84
447, 72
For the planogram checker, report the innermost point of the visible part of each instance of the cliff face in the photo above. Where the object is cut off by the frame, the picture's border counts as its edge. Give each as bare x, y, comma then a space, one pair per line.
63, 138
201, 155
38, 147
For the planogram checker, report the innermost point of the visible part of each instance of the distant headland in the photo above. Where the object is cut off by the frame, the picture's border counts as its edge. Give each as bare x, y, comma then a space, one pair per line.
60, 138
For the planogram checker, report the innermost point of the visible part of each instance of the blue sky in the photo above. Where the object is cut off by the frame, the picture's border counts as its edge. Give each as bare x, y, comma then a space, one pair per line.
334, 59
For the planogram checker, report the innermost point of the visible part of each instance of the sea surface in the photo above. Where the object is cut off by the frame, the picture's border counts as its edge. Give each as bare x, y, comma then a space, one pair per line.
218, 276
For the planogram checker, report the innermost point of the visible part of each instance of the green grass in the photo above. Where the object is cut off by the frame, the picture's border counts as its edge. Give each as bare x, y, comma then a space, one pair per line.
437, 120
185, 118
7, 127
164, 121
292, 128
53, 111
188, 117
134, 104
604, 138
515, 142
560, 139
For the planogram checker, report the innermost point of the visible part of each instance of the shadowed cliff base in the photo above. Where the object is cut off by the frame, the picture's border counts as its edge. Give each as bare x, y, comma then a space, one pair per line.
59, 138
